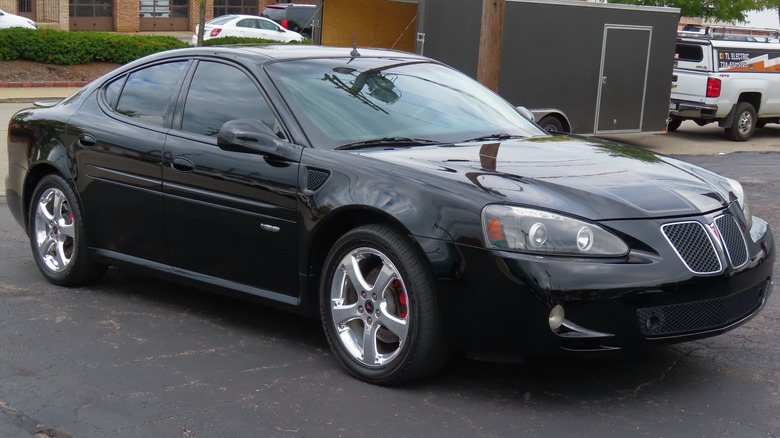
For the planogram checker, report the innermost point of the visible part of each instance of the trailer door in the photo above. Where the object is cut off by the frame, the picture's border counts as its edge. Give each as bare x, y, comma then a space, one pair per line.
625, 59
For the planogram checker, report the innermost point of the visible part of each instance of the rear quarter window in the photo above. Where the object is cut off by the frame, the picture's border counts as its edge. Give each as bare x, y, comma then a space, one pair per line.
689, 53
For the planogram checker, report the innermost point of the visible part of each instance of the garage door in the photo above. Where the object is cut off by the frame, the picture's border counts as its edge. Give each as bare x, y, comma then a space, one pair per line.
164, 15
91, 15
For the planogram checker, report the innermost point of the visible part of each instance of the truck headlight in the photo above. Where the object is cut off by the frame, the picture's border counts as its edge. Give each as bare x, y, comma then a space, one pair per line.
539, 231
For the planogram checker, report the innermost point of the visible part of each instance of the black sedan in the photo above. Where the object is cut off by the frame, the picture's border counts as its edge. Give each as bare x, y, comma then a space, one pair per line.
411, 209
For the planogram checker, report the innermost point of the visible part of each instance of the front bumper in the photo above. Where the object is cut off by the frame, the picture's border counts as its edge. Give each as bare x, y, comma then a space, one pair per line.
496, 304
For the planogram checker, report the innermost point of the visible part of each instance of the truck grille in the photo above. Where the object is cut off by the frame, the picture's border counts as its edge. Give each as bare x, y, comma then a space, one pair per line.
700, 316
697, 250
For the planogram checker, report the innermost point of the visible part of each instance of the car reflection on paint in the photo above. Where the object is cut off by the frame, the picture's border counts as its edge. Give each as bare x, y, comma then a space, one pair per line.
411, 209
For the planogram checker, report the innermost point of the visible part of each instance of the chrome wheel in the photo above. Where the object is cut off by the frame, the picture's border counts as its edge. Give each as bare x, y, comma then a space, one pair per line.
54, 232
379, 308
745, 123
58, 237
369, 307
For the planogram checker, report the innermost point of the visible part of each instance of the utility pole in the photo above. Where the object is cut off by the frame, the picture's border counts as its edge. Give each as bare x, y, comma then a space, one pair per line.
490, 36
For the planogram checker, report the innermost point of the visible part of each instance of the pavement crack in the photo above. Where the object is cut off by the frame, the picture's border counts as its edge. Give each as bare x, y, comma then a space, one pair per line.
666, 372
28, 424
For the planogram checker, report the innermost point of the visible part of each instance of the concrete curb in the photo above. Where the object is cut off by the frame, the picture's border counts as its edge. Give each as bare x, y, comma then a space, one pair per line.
47, 84
30, 94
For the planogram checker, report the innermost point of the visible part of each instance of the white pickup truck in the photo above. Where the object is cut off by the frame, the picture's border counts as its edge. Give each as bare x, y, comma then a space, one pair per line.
734, 83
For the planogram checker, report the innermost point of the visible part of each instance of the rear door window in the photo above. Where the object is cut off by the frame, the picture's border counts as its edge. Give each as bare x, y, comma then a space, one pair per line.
148, 94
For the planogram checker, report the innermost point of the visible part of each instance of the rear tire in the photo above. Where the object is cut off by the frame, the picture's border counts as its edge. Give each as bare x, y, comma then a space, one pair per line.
378, 307
743, 125
673, 125
58, 237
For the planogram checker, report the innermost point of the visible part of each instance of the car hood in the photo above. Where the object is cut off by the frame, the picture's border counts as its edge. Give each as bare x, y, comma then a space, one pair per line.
590, 178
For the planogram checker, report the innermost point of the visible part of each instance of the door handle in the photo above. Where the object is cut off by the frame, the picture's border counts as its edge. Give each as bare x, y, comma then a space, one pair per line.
181, 164
87, 140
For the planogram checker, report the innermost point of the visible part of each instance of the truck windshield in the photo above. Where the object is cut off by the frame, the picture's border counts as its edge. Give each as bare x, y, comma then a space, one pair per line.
342, 101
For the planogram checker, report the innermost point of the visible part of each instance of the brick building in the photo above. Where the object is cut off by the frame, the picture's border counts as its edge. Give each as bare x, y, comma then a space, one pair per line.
129, 15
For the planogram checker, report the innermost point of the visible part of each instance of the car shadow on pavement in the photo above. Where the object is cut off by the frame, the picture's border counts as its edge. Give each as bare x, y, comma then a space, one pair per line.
557, 380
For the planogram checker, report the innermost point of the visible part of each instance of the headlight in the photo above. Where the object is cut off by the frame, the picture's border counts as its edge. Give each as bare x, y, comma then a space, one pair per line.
739, 193
539, 231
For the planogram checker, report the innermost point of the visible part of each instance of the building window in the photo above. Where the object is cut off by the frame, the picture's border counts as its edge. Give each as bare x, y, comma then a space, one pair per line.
224, 7
24, 6
91, 8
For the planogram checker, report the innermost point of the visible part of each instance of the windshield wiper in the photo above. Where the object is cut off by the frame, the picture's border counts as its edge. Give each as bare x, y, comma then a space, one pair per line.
500, 136
388, 141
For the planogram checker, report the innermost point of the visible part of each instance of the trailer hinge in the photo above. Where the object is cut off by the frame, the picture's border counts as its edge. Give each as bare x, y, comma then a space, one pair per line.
421, 41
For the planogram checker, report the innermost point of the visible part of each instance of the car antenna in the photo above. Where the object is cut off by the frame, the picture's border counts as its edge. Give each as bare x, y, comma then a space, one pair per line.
354, 53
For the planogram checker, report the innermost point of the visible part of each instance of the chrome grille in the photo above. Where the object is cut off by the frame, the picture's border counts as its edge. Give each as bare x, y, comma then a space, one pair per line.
694, 246
733, 240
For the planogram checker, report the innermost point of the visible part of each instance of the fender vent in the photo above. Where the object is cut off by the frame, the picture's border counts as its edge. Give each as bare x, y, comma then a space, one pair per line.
315, 178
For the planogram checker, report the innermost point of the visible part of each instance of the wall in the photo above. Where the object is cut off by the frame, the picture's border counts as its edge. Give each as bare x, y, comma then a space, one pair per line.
374, 23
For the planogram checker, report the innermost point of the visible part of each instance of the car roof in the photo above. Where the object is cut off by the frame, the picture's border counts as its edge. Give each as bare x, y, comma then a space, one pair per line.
234, 16
265, 53
286, 5
290, 51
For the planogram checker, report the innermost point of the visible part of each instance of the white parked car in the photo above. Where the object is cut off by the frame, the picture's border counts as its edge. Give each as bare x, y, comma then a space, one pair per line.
246, 26
11, 20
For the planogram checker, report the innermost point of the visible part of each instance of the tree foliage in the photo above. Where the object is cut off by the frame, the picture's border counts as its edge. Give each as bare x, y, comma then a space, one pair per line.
724, 10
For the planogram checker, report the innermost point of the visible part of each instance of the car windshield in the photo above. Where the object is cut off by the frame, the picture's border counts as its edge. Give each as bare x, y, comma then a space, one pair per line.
343, 101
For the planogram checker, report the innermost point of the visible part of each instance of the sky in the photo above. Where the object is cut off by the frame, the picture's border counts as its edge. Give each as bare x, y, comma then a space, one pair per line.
764, 19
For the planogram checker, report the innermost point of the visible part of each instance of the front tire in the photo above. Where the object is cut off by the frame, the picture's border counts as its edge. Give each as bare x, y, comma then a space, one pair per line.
378, 307
58, 235
743, 125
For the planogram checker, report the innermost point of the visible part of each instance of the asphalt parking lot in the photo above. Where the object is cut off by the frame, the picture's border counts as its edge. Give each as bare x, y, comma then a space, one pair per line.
134, 356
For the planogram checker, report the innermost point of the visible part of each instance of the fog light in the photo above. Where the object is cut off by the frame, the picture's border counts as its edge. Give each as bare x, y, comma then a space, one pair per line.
556, 317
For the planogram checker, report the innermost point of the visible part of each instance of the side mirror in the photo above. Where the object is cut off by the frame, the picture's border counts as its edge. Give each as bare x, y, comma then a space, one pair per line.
525, 112
255, 137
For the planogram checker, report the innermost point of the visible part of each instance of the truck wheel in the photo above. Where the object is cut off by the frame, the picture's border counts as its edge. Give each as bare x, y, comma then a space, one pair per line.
673, 125
743, 125
551, 124
378, 307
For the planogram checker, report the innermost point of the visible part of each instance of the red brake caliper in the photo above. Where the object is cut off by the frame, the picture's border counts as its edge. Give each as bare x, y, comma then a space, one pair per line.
403, 306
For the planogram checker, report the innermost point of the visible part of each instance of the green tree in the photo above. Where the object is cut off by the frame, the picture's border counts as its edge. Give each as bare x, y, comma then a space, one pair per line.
724, 10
